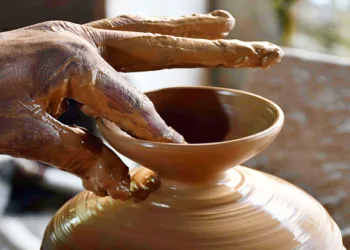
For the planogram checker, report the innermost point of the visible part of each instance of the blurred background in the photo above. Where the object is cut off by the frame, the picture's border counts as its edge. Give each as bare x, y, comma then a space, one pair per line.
311, 85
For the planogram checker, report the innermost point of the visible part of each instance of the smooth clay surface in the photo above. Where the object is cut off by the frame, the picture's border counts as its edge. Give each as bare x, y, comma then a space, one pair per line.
245, 210
204, 201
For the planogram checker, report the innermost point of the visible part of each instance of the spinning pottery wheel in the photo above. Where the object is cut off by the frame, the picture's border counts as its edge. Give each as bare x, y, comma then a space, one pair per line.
206, 200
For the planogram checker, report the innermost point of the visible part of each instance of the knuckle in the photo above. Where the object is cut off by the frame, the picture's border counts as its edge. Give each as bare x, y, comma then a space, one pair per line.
63, 26
57, 25
83, 32
77, 48
67, 52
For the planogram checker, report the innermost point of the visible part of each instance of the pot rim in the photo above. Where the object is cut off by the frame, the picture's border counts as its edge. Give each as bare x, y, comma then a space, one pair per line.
273, 129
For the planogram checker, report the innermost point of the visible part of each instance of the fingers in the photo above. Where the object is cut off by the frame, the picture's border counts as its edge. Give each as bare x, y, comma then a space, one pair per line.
37, 136
143, 181
106, 179
214, 25
129, 52
104, 93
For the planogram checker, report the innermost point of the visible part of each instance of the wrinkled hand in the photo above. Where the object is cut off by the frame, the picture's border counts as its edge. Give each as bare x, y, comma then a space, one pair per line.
44, 64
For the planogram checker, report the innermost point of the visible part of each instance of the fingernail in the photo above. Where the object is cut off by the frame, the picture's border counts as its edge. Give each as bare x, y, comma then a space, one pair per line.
152, 179
133, 186
221, 13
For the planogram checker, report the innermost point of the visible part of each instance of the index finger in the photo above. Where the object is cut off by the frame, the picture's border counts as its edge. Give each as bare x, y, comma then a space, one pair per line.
105, 93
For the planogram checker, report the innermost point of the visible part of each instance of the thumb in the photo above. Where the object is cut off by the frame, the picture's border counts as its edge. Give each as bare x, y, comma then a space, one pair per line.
38, 136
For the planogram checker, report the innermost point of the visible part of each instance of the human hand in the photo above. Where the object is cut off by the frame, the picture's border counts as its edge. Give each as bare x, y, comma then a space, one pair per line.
44, 64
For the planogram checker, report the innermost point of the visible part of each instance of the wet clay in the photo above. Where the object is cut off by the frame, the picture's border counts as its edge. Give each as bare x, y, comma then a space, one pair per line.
214, 25
43, 65
206, 200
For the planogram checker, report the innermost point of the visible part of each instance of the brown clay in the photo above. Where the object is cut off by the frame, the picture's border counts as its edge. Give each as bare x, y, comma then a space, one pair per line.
214, 25
206, 200
44, 64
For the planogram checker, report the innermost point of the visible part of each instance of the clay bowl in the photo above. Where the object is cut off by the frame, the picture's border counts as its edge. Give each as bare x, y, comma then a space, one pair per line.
223, 127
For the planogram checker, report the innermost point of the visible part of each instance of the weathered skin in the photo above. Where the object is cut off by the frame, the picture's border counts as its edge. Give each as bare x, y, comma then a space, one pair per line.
44, 64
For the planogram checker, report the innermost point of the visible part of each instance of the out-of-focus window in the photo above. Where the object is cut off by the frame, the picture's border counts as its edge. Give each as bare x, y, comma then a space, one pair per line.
146, 81
322, 26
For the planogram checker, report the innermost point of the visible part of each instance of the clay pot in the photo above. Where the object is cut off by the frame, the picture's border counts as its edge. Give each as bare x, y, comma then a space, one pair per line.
206, 200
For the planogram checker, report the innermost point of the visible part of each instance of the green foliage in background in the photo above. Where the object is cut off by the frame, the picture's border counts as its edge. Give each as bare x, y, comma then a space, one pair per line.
286, 18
